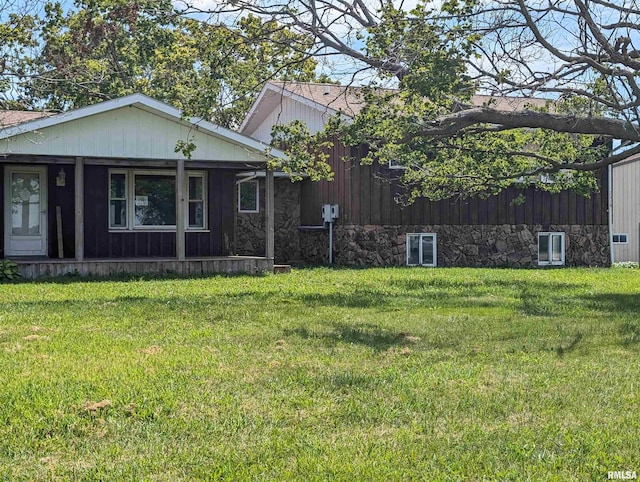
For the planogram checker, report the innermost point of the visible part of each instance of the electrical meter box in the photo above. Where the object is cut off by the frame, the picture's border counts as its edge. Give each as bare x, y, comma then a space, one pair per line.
330, 212
326, 213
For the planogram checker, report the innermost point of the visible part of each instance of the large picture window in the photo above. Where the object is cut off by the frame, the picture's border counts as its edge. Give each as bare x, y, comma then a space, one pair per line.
550, 249
155, 199
147, 199
421, 249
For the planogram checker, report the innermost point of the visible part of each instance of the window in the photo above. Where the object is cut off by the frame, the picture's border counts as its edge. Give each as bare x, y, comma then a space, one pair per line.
197, 201
621, 238
393, 164
421, 250
155, 200
248, 197
147, 199
550, 249
118, 200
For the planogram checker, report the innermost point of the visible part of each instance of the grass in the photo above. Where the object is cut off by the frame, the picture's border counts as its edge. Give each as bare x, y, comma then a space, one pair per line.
381, 374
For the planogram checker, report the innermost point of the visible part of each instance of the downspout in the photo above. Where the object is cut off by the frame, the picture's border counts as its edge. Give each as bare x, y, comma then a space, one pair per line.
610, 209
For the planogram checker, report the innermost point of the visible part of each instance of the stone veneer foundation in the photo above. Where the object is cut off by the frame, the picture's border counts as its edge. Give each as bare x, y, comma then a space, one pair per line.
385, 245
457, 245
250, 228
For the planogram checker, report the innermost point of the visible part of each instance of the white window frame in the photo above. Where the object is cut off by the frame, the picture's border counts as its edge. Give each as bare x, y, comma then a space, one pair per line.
256, 183
393, 164
620, 237
420, 255
205, 214
130, 179
132, 197
550, 235
126, 199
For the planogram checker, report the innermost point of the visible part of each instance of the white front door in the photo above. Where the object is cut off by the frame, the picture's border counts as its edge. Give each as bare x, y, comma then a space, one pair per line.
25, 210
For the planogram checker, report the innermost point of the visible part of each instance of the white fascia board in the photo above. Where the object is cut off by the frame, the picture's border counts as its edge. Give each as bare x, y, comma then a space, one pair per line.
151, 105
254, 107
72, 115
283, 92
261, 174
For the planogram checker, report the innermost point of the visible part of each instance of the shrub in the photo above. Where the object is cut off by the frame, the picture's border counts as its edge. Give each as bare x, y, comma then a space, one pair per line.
626, 264
8, 270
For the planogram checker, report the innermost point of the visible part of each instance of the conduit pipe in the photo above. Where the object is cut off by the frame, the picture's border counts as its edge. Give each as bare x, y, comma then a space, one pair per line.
610, 209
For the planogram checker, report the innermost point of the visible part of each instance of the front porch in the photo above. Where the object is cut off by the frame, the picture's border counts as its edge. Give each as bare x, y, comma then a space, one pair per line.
38, 268
102, 190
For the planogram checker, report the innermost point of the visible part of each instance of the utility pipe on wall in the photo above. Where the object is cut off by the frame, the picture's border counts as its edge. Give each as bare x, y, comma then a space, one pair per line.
330, 242
610, 209
330, 213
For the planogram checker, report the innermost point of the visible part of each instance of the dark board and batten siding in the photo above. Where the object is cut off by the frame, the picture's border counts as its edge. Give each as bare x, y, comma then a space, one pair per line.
366, 195
62, 196
100, 243
2, 220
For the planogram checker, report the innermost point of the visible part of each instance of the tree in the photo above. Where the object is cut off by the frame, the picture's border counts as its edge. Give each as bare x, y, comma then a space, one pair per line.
582, 54
17, 21
103, 49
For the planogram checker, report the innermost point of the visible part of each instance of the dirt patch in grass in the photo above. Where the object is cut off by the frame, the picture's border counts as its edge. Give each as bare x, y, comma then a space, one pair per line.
97, 406
152, 350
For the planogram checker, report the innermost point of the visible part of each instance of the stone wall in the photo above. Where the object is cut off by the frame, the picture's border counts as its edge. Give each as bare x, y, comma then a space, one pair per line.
457, 245
250, 237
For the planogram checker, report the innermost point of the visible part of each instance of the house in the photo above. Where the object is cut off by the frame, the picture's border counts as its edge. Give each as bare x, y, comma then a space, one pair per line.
372, 229
103, 190
625, 235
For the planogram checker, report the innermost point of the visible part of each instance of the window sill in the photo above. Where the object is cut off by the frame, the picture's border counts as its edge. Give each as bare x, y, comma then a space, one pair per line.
157, 230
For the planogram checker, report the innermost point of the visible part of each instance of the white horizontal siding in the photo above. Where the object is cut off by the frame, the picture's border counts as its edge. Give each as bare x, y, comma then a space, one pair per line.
626, 209
127, 132
288, 110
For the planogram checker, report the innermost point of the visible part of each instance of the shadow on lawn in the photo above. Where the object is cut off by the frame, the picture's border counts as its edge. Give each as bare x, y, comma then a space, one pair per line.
365, 334
615, 303
534, 299
73, 278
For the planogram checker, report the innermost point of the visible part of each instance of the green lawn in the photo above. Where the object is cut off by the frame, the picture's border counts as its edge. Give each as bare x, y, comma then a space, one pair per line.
381, 374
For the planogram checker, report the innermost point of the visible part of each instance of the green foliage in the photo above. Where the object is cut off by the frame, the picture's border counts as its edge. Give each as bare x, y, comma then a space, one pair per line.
8, 270
185, 147
627, 265
380, 374
479, 163
103, 49
306, 154
480, 160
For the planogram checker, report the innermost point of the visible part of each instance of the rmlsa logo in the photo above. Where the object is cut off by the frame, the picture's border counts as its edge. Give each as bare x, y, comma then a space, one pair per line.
623, 475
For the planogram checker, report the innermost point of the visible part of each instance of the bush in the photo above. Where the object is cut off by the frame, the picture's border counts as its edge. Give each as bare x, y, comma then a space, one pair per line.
627, 264
8, 270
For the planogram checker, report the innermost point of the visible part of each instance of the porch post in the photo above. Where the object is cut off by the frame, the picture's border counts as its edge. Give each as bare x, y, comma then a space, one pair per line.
180, 211
269, 214
79, 208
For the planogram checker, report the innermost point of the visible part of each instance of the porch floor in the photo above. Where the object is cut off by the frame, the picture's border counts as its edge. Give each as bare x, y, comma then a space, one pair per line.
31, 268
